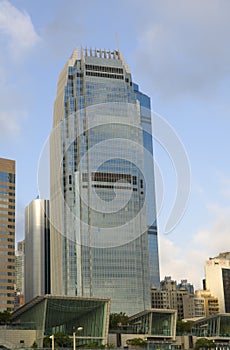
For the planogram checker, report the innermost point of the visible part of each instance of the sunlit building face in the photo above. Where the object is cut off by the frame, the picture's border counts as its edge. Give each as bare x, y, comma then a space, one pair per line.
7, 234
103, 214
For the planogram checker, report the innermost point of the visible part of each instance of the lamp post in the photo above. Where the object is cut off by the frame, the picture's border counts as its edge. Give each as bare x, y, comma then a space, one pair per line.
79, 329
52, 337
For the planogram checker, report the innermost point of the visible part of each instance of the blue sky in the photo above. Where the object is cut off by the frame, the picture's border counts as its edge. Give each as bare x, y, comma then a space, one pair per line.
179, 54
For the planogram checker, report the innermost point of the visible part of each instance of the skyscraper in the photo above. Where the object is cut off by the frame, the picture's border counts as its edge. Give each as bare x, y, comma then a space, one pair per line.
103, 213
37, 249
7, 234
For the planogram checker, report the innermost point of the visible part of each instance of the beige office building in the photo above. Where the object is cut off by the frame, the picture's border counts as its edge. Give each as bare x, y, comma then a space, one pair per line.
7, 234
211, 303
217, 279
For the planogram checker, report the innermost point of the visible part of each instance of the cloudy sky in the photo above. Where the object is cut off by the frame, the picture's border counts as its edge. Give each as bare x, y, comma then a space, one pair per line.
179, 54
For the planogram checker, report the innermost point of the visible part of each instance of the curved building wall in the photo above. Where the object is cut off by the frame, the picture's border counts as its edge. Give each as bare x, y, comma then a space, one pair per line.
37, 252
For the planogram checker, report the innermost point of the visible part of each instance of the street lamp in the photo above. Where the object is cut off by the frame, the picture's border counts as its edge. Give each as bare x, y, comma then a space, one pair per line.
52, 337
79, 329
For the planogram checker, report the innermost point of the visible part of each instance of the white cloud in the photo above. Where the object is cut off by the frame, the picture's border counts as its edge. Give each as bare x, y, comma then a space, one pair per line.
17, 30
11, 123
224, 180
216, 238
187, 262
180, 263
17, 38
184, 46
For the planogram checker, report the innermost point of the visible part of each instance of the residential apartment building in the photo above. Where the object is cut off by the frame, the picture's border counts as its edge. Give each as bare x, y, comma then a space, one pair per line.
174, 296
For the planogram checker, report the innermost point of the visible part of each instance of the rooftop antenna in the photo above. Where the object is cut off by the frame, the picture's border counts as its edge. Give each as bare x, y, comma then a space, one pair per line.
117, 45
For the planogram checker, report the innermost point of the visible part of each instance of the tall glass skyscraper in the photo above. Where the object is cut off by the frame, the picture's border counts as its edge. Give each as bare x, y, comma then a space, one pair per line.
102, 205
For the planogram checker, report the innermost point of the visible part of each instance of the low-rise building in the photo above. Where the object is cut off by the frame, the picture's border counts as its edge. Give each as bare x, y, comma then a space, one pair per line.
169, 297
216, 327
157, 327
211, 303
48, 315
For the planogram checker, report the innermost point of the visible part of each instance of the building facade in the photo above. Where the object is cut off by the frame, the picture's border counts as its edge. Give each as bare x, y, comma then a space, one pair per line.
7, 234
103, 212
217, 327
37, 249
177, 296
217, 281
211, 303
168, 284
19, 274
193, 307
185, 285
49, 314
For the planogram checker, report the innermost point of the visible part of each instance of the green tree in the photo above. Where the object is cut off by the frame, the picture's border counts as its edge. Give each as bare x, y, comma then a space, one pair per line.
61, 340
92, 345
184, 327
117, 320
47, 341
204, 343
136, 341
35, 345
5, 317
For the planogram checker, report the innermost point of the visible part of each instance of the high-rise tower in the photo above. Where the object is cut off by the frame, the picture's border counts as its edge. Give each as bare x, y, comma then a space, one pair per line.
7, 234
37, 249
103, 214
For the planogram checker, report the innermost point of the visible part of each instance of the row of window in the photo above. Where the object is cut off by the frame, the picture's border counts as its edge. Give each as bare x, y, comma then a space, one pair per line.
105, 75
6, 260
6, 252
6, 212
112, 177
9, 246
6, 192
7, 187
10, 267
6, 199
6, 177
6, 219
112, 187
6, 273
109, 177
6, 226
6, 281
6, 205
104, 69
8, 233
